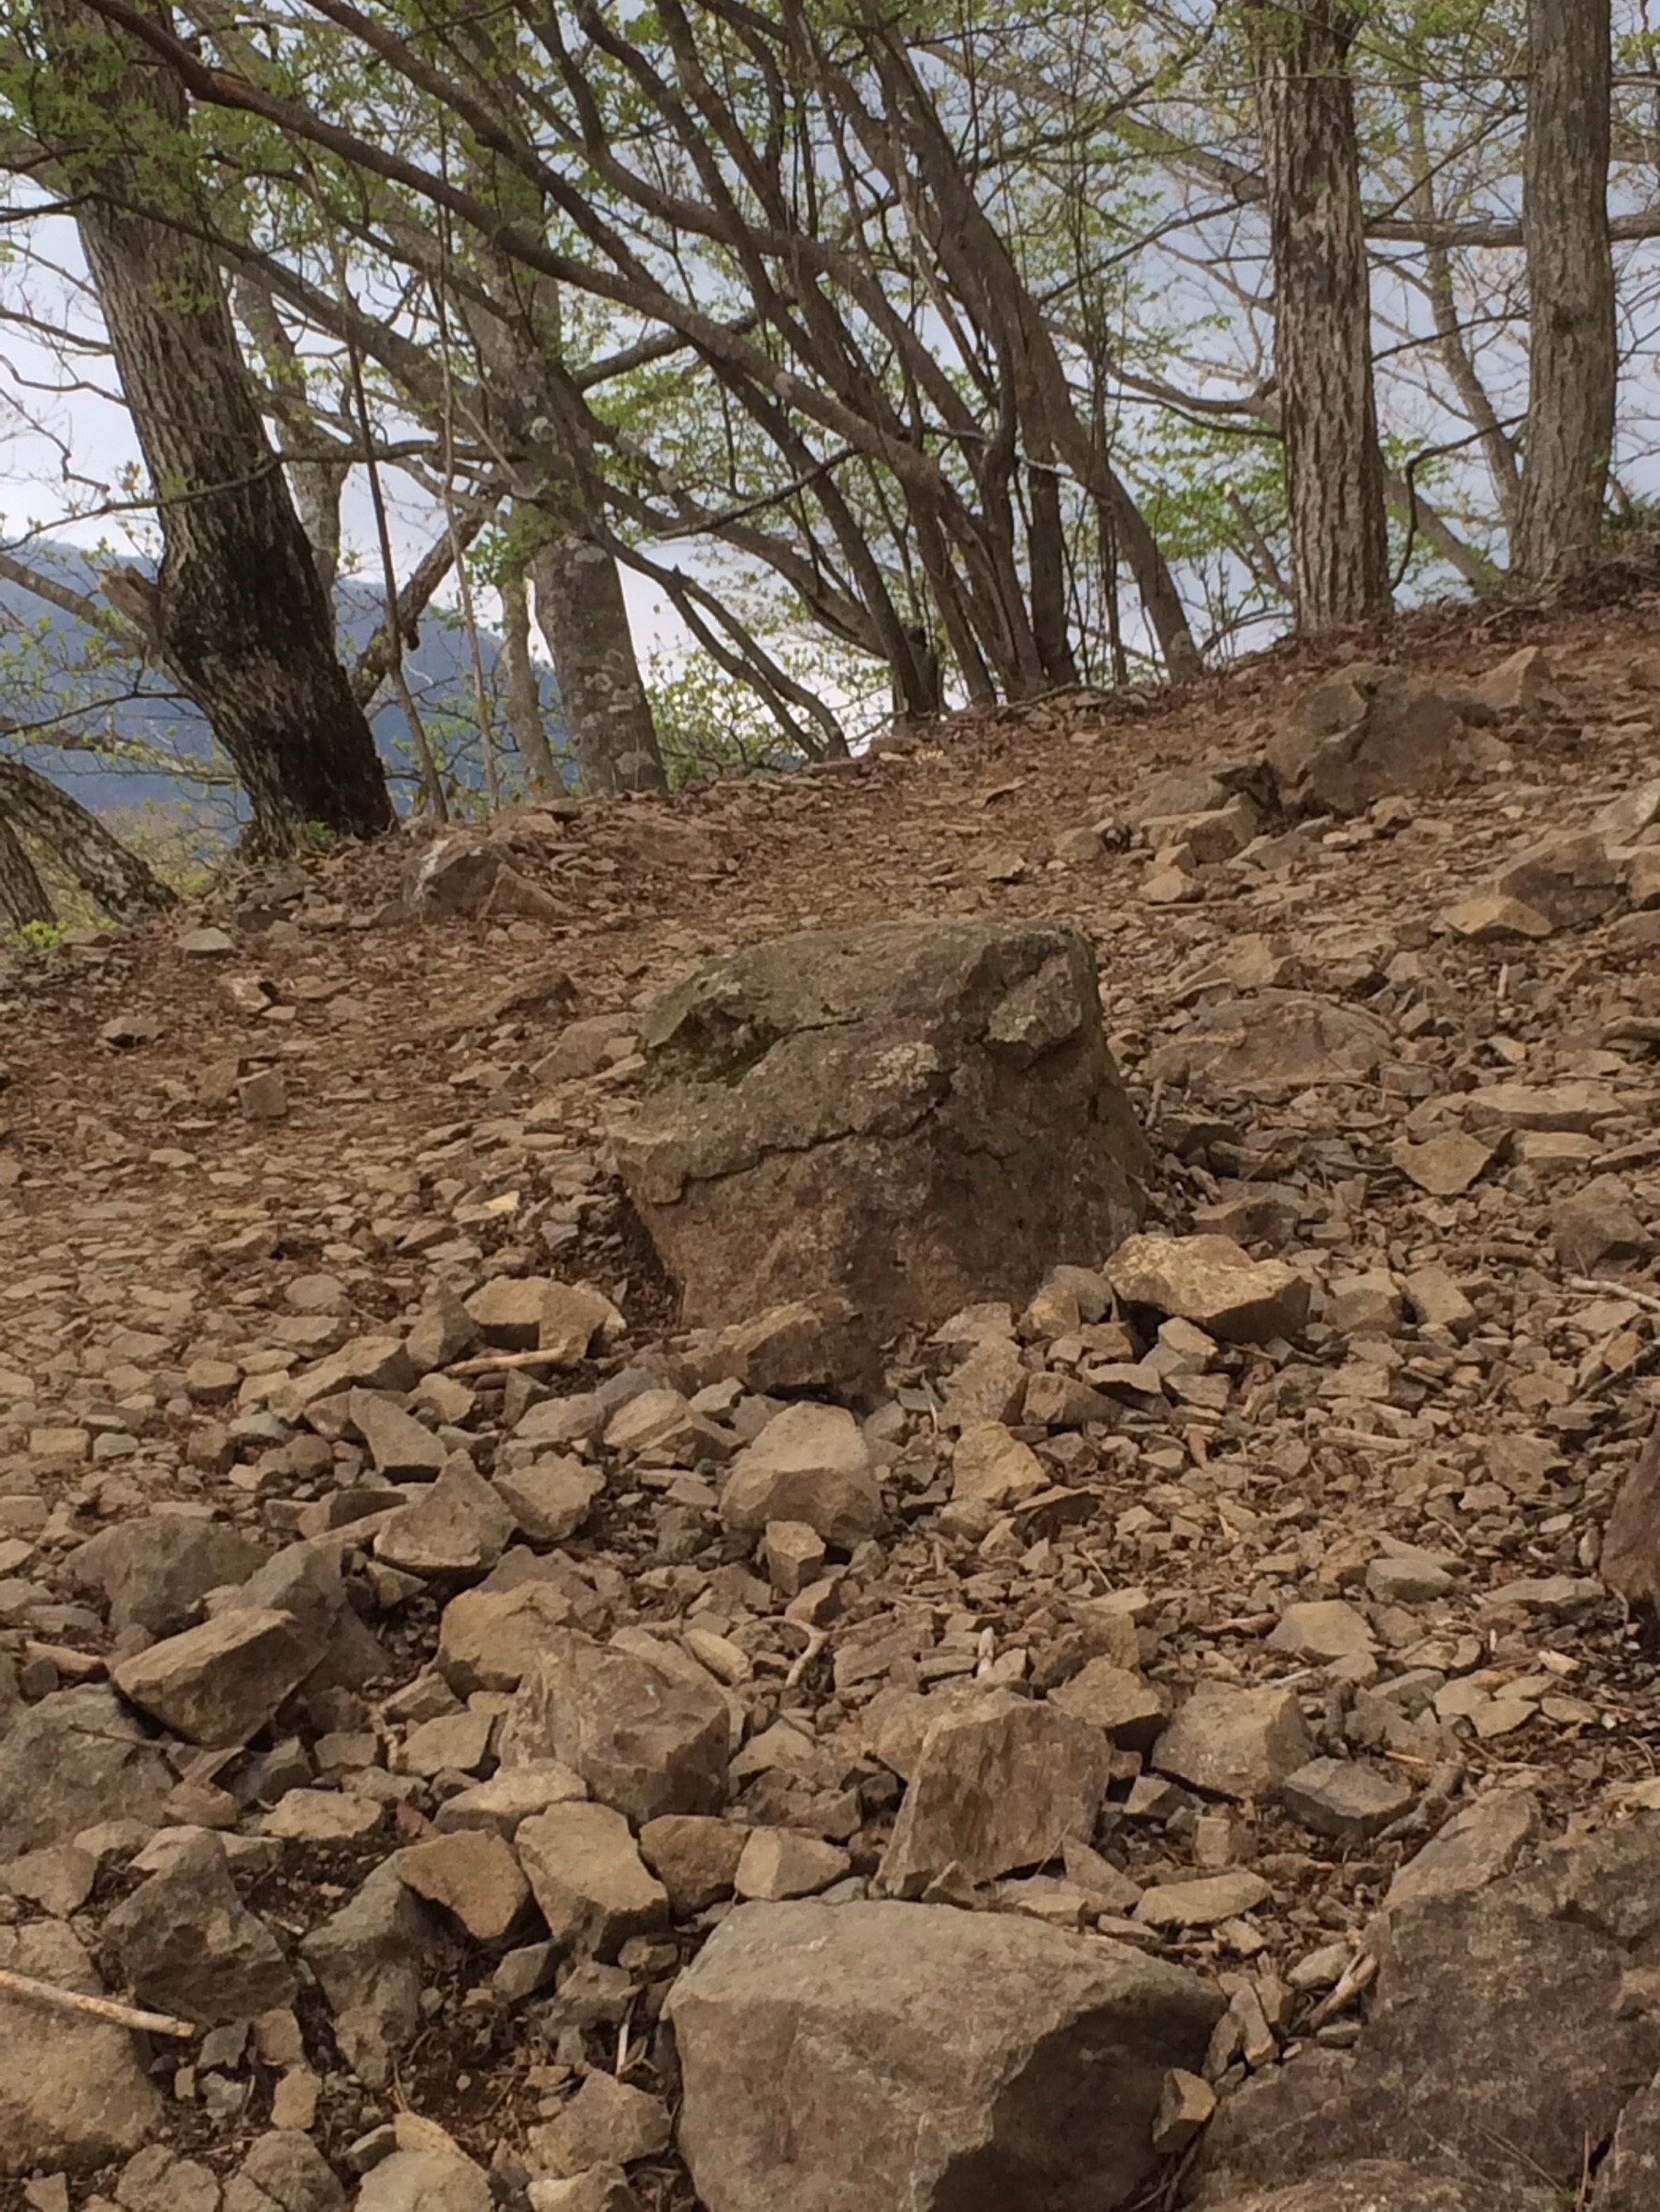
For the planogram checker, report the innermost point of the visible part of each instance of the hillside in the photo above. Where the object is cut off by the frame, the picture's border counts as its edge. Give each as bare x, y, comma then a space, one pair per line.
439, 669
1280, 1601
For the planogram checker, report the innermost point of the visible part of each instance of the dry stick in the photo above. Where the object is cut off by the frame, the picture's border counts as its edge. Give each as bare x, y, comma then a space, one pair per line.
100, 2008
1359, 1974
491, 1362
1588, 1286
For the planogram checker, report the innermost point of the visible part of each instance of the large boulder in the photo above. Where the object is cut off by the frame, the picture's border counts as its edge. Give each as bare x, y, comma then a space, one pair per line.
851, 2057
1367, 734
1505, 2035
911, 1115
72, 2089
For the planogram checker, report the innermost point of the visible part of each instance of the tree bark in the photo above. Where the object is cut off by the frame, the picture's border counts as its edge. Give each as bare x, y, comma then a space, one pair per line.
583, 618
114, 878
524, 693
23, 897
1322, 347
240, 620
1573, 344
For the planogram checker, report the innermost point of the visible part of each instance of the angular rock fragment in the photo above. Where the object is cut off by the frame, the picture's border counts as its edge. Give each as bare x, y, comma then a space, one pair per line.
645, 1740
1343, 1799
588, 1878
810, 1463
220, 1683
1235, 1744
72, 2090
894, 2054
370, 1957
188, 1944
998, 1785
76, 1758
1214, 1282
157, 1571
907, 1115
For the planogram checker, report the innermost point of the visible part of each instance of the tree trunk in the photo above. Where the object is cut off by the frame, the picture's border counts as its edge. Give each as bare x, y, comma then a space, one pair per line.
524, 693
583, 618
1322, 344
240, 620
23, 896
1573, 347
114, 878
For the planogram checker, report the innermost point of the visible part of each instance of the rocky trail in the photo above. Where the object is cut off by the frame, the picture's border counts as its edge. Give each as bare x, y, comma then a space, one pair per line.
1151, 1704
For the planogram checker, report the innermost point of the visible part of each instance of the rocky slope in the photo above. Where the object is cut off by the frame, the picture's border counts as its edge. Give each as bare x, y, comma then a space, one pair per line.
532, 1754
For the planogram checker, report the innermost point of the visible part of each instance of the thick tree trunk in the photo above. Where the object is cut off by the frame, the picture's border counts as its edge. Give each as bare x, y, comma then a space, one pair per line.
1323, 348
583, 618
524, 693
240, 620
23, 897
1573, 345
114, 878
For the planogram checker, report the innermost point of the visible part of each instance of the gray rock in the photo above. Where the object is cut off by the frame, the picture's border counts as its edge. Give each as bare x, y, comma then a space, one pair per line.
291, 2173
1343, 1799
72, 2091
1597, 1230
1213, 1282
811, 1464
602, 2189
221, 1682
893, 2054
1629, 2177
1275, 1041
551, 1498
1379, 2184
402, 1446
157, 2179
645, 1740
909, 1116
1235, 1744
998, 1787
425, 2181
1501, 2040
1370, 732
188, 1944
459, 1527
155, 1572
587, 1875
76, 1758
371, 1958
606, 2123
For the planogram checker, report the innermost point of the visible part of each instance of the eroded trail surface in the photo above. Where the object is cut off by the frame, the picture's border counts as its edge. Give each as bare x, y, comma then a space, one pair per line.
415, 1726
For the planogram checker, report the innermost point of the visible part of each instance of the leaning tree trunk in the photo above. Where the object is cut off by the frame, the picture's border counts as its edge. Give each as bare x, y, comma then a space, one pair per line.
1322, 342
240, 620
23, 897
112, 878
1573, 344
583, 618
524, 690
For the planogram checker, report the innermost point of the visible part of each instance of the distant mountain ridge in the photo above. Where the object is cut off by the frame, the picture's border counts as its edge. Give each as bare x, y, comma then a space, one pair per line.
37, 638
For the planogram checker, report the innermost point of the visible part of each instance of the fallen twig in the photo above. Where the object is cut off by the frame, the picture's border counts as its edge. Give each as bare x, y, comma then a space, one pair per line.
98, 2008
496, 1362
1359, 1974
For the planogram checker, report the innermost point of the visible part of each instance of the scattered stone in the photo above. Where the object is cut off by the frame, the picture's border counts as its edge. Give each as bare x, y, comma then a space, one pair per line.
1343, 1799
998, 1787
646, 1742
72, 2090
777, 1863
792, 1555
1446, 1166
402, 1447
1235, 1744
188, 1944
459, 1527
322, 1816
602, 2189
156, 2179
810, 1463
1186, 2105
1571, 879
1117, 1701
76, 1758
474, 1874
290, 2172
834, 2043
509, 1797
490, 1639
425, 2181
1205, 1902
1477, 1845
551, 1498
508, 1311
590, 1881
694, 1856
1436, 1301
606, 2123
1324, 1630
1597, 1230
221, 1682
1366, 734
780, 1154
156, 1571
1214, 1282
